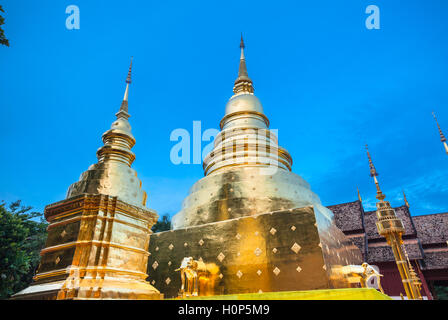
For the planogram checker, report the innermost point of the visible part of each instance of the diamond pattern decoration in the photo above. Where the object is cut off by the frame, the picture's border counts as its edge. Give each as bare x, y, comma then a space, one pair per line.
274, 250
167, 281
153, 282
238, 236
276, 271
299, 269
295, 247
57, 260
220, 276
169, 263
221, 256
293, 228
259, 272
155, 265
258, 252
201, 242
63, 233
273, 231
171, 246
239, 274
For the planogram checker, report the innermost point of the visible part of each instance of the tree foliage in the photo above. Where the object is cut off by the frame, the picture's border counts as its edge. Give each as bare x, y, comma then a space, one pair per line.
22, 236
163, 224
3, 39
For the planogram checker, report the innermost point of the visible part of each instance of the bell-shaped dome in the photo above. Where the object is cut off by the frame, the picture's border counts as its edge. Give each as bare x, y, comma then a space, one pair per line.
244, 102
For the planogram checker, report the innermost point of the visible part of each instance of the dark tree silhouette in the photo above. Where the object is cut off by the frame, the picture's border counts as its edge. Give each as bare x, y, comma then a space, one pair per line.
22, 236
163, 224
3, 39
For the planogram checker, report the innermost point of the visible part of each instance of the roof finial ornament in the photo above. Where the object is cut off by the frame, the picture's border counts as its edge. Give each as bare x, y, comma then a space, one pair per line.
359, 195
373, 173
405, 199
442, 136
243, 84
123, 112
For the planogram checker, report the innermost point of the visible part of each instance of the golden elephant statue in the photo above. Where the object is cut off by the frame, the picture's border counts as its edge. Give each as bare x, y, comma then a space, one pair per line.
197, 277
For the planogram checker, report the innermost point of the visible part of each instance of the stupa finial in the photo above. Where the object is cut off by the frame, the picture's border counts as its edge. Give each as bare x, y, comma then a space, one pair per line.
243, 84
123, 112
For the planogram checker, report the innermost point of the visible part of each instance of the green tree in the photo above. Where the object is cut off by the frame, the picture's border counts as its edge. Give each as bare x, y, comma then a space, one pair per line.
3, 39
163, 224
22, 236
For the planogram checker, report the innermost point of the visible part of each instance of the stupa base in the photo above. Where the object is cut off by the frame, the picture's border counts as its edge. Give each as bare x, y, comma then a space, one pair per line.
288, 250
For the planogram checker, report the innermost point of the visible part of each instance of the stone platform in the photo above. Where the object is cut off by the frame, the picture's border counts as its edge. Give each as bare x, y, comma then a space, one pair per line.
330, 294
288, 250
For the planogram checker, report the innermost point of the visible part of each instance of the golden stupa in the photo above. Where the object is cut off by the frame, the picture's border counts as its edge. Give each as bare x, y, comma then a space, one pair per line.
247, 172
251, 223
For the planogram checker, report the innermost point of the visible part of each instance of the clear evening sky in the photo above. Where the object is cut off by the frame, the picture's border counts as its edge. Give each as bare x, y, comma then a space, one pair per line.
326, 82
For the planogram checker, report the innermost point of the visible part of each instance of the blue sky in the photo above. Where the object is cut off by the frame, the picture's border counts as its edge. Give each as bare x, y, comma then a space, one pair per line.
327, 83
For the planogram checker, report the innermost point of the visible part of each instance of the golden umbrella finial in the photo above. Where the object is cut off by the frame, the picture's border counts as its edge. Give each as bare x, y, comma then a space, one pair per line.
442, 136
373, 173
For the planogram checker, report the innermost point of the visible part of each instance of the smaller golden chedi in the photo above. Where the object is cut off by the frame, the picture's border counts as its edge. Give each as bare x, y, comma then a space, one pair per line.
98, 237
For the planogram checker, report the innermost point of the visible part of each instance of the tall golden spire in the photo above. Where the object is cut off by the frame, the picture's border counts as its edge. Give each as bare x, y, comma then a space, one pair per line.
405, 199
243, 84
442, 136
391, 227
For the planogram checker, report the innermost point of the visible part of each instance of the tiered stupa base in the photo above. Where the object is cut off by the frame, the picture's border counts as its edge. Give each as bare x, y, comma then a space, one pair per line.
96, 249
